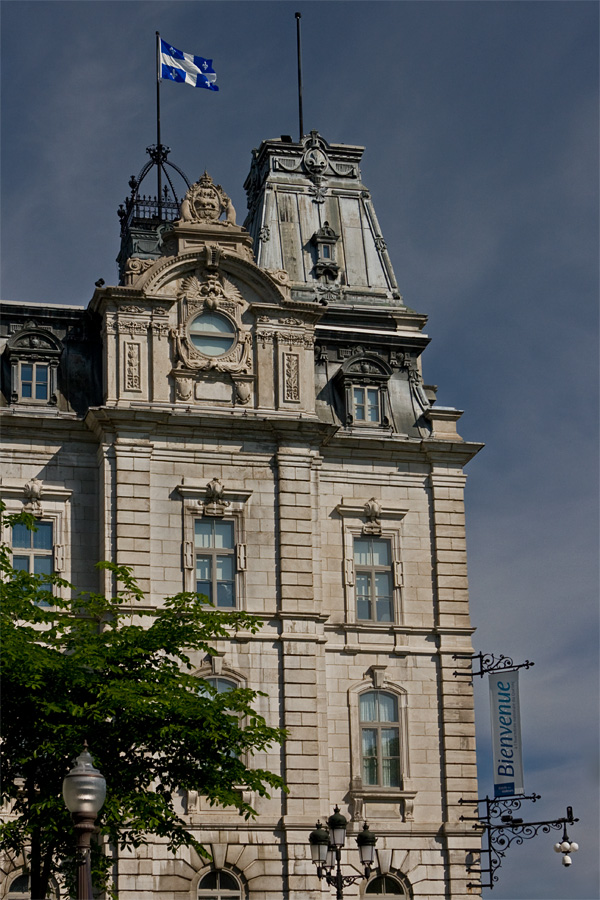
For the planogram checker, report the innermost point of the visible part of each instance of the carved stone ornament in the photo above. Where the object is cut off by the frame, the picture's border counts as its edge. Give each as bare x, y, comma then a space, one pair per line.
243, 391
184, 386
373, 517
215, 503
206, 290
205, 202
33, 494
134, 267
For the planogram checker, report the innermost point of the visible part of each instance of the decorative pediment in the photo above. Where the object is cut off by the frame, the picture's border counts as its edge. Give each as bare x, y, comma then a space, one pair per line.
34, 341
366, 366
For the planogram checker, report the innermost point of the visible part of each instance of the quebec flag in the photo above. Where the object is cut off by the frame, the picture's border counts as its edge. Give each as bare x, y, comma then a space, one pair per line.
175, 65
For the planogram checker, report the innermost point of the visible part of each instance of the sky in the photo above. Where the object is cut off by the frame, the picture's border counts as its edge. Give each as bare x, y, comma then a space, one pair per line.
480, 123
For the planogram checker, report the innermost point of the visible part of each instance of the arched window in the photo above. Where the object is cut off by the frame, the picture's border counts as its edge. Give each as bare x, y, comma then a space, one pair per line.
386, 886
19, 889
219, 886
221, 685
380, 739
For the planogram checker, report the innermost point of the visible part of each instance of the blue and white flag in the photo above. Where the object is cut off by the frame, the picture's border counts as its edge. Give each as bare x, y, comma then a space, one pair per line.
175, 65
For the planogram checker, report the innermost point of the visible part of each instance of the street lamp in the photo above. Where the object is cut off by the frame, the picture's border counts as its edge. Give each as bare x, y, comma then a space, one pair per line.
326, 851
84, 790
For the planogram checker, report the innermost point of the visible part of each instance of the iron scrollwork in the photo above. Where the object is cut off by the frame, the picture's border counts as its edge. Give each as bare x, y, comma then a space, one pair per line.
503, 829
489, 662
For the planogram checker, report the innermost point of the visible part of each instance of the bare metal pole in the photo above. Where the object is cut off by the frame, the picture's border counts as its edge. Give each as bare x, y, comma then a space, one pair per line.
158, 144
298, 17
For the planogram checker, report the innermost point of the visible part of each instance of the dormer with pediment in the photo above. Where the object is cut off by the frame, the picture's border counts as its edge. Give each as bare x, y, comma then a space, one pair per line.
202, 325
48, 359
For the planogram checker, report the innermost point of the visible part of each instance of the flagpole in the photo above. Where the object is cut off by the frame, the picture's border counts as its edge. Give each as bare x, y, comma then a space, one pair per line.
298, 17
158, 143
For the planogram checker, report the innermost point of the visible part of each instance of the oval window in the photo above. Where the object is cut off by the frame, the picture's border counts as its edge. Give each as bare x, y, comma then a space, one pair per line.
212, 334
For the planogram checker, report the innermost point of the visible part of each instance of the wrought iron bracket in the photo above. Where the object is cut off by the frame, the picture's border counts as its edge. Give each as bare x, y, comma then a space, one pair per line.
488, 662
503, 829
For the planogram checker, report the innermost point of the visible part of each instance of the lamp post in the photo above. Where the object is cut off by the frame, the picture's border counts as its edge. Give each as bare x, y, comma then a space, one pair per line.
84, 790
326, 851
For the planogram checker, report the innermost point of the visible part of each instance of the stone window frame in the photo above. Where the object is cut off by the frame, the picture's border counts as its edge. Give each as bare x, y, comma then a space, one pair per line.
215, 667
222, 313
358, 521
53, 892
33, 345
359, 793
54, 506
405, 890
365, 370
219, 852
197, 505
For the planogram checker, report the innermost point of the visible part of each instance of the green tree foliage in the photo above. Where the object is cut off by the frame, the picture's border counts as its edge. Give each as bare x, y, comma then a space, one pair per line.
82, 666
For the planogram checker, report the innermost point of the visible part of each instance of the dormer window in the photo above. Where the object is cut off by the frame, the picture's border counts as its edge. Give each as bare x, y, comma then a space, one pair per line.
34, 354
324, 241
34, 381
364, 382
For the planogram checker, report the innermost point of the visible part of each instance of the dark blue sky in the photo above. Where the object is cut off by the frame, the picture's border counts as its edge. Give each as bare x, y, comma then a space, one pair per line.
480, 122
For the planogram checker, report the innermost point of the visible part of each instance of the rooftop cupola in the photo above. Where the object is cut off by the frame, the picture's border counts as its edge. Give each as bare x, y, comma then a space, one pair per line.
145, 218
310, 214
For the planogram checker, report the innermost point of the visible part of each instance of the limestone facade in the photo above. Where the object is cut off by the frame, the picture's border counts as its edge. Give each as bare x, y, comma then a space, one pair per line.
266, 381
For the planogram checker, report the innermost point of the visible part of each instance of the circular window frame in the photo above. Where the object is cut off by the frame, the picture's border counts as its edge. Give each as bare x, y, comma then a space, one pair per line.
235, 333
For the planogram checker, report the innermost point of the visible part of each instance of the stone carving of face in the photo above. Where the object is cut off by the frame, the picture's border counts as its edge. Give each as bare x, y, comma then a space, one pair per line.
207, 205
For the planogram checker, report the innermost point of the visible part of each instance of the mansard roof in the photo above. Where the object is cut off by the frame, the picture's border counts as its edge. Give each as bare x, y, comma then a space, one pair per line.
295, 190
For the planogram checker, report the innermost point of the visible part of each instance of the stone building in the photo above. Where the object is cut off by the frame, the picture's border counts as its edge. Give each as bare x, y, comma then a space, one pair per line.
244, 414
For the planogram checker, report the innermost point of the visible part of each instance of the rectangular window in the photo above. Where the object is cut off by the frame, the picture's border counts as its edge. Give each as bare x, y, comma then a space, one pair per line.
34, 381
33, 551
380, 739
366, 405
374, 581
214, 542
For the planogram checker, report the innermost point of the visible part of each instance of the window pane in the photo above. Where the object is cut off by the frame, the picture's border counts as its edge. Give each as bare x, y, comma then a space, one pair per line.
224, 535
41, 382
384, 610
42, 565
21, 537
381, 553
209, 881
388, 708
383, 594
204, 588
42, 538
223, 685
203, 533
390, 742
362, 552
225, 595
227, 882
212, 323
368, 707
26, 380
390, 772
359, 404
224, 568
212, 346
373, 405
363, 596
21, 563
203, 568
369, 753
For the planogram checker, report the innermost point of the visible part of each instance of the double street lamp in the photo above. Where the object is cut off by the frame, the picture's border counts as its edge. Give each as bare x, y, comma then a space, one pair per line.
84, 791
326, 851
